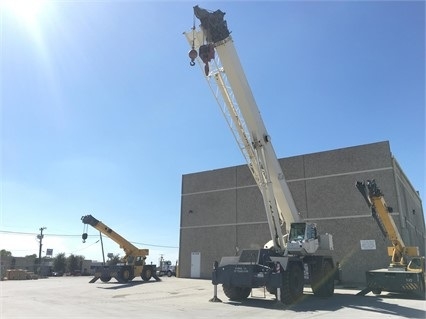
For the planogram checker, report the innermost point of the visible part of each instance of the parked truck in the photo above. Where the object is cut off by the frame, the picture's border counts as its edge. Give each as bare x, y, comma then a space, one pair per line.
166, 268
287, 261
132, 264
406, 271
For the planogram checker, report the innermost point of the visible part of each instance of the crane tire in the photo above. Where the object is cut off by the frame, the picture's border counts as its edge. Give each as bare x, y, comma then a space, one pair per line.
293, 282
323, 279
105, 278
125, 275
146, 273
236, 293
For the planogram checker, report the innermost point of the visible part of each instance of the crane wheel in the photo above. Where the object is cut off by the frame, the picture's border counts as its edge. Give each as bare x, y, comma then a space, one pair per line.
146, 273
105, 278
323, 279
236, 293
293, 282
125, 275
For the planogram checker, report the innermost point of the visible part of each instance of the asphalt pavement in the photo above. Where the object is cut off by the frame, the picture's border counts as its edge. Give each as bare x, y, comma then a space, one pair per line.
74, 297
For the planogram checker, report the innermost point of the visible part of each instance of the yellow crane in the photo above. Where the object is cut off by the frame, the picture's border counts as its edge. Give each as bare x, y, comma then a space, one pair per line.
400, 276
133, 263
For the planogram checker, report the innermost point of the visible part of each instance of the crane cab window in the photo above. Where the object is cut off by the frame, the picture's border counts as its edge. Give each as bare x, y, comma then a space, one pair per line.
139, 261
297, 232
311, 231
415, 263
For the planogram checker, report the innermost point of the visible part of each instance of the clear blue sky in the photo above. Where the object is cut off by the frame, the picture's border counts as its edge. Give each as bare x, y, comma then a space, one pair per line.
101, 112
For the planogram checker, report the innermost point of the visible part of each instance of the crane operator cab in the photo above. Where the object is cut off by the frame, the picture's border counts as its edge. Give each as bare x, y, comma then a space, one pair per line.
303, 239
136, 260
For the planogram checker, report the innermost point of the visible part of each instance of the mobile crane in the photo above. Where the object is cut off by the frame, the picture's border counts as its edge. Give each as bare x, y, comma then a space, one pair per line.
399, 276
133, 263
287, 260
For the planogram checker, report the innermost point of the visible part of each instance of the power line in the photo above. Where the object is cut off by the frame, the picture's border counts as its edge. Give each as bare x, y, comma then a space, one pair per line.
152, 245
70, 235
85, 247
35, 234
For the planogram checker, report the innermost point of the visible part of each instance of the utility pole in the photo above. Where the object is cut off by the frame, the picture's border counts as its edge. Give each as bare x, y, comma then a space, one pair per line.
40, 237
102, 245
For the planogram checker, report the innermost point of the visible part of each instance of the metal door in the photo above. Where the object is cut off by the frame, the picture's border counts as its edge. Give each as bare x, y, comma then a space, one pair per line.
195, 264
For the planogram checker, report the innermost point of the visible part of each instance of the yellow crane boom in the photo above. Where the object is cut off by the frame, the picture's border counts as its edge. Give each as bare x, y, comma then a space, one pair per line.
381, 213
128, 247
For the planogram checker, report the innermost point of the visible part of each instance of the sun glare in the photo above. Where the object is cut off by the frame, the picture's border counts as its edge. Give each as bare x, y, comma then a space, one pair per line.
26, 11
30, 16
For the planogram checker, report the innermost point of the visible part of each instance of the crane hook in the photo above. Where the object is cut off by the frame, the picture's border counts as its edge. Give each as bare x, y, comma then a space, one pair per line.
192, 55
84, 235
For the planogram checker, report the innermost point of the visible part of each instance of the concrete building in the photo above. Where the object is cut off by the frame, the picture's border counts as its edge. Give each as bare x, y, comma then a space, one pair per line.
24, 263
28, 264
222, 210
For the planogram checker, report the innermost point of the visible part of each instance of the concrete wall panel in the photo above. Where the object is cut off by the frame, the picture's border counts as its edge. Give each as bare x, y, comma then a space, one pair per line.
293, 167
250, 205
212, 242
210, 208
351, 159
211, 180
253, 236
244, 176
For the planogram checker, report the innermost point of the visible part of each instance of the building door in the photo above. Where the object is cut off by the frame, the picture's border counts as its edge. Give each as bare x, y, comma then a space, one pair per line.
195, 264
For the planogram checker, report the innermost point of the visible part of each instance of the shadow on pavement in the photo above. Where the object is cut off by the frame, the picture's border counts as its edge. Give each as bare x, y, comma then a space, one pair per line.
310, 303
117, 285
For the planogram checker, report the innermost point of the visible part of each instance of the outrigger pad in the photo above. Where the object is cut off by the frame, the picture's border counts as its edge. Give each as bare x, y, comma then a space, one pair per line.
94, 279
364, 292
156, 277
